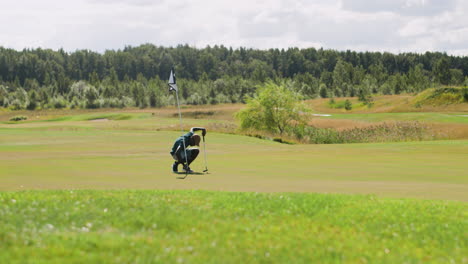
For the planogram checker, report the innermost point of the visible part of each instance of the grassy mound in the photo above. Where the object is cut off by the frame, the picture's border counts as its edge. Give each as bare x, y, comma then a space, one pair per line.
441, 96
449, 99
220, 227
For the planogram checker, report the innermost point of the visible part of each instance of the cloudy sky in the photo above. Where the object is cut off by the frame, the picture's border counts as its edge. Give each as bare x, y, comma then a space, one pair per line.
361, 25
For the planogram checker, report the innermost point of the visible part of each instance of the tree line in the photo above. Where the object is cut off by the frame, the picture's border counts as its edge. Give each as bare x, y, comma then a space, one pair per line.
137, 76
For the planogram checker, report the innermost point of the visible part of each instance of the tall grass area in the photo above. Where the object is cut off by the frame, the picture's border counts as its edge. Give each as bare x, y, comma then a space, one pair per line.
399, 131
221, 227
384, 132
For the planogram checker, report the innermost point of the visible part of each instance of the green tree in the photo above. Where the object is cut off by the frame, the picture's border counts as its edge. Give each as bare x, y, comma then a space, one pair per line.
323, 90
308, 85
32, 104
379, 73
22, 96
365, 96
3, 95
94, 78
273, 109
260, 70
342, 75
442, 71
327, 78
417, 79
91, 95
456, 77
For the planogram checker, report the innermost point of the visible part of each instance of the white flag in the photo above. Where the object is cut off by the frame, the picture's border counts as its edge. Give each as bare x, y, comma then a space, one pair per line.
172, 81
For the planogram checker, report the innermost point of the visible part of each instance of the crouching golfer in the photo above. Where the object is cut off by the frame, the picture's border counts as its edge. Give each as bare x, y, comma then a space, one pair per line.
178, 153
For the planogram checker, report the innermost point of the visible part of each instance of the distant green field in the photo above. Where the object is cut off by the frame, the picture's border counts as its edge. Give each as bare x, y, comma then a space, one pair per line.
220, 227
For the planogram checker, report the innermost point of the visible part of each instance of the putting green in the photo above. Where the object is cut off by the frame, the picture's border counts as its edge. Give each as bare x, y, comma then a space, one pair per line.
71, 156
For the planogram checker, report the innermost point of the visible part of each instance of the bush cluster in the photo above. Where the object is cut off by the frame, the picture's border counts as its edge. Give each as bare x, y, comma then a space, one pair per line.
18, 118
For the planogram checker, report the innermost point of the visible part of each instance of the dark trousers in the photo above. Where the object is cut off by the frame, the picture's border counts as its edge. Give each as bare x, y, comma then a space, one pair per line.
191, 156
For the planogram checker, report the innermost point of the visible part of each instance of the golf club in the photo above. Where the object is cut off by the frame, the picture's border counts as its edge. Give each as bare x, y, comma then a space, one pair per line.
204, 150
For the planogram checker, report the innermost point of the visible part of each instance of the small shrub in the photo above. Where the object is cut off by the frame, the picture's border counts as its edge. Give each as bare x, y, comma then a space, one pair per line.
336, 104
465, 94
348, 105
18, 118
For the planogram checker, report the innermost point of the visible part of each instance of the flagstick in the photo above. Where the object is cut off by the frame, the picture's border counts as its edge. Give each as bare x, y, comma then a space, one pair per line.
182, 130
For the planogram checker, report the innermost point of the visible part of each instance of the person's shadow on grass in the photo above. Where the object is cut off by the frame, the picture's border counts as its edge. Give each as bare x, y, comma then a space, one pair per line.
191, 173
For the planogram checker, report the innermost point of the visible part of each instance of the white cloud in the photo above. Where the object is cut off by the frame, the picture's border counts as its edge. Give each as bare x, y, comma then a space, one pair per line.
403, 7
386, 25
415, 27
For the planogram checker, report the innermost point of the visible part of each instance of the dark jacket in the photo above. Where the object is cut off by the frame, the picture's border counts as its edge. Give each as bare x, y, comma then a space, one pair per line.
178, 147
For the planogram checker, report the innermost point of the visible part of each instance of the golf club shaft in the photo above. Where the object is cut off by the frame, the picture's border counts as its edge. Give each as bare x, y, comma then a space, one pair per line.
182, 130
204, 150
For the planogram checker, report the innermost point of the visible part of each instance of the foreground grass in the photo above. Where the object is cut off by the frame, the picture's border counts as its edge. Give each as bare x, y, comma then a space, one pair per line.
219, 227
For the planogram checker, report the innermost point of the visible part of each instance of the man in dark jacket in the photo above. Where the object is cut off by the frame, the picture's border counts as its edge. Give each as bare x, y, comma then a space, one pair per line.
181, 147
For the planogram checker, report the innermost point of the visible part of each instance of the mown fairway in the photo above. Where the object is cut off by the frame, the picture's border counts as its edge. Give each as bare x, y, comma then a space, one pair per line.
222, 227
